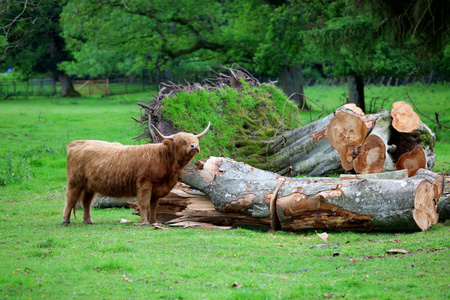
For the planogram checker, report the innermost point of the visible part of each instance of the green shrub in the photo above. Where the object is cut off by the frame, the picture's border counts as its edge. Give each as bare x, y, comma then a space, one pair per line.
16, 166
13, 169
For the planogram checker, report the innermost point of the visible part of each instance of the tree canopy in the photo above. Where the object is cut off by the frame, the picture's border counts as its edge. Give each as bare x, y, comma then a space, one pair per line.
189, 37
113, 37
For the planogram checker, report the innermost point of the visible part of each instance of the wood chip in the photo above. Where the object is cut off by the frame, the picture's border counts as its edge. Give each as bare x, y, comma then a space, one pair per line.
397, 251
323, 236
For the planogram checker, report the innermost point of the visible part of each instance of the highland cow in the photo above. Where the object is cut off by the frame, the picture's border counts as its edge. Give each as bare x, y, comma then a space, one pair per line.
147, 172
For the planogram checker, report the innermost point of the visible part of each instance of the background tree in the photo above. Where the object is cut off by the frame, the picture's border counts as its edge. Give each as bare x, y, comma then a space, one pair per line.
353, 42
31, 40
114, 37
281, 53
423, 22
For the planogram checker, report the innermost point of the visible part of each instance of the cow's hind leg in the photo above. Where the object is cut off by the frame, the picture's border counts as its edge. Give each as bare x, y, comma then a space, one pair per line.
87, 198
144, 195
152, 212
72, 198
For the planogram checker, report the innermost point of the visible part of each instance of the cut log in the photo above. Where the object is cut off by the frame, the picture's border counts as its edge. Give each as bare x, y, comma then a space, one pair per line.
404, 118
245, 192
412, 161
346, 132
414, 133
305, 150
374, 155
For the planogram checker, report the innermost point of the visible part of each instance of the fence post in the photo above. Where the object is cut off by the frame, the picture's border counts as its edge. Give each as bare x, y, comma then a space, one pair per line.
389, 81
107, 87
15, 91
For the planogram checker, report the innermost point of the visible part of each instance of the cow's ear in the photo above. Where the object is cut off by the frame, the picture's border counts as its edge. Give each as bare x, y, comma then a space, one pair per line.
167, 142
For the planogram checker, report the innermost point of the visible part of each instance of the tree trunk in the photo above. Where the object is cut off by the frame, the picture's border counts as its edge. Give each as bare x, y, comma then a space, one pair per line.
67, 89
247, 193
291, 79
356, 91
305, 150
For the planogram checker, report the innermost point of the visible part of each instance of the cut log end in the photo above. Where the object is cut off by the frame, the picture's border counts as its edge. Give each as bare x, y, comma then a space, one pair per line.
425, 210
346, 132
372, 156
404, 118
353, 107
412, 161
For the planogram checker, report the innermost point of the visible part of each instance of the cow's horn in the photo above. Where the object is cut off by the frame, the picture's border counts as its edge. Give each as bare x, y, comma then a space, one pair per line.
163, 137
200, 135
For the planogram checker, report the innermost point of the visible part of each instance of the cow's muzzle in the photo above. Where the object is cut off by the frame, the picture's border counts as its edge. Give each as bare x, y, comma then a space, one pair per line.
194, 149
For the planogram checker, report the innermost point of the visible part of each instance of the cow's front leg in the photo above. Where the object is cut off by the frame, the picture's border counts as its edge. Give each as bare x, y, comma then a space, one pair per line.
144, 195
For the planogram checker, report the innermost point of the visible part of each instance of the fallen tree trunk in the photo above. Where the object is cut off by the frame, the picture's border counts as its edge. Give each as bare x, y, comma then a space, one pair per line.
245, 193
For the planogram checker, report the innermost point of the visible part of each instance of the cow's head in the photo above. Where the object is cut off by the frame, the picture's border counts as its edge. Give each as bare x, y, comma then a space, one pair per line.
187, 144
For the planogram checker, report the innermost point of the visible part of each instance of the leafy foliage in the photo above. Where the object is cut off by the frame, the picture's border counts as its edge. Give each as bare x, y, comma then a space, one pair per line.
16, 166
423, 22
114, 37
32, 43
282, 47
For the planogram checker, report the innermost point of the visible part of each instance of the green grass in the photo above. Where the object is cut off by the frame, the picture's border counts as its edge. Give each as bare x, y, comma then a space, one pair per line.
41, 258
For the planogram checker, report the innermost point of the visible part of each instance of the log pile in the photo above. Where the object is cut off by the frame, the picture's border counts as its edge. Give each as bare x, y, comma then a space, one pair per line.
349, 140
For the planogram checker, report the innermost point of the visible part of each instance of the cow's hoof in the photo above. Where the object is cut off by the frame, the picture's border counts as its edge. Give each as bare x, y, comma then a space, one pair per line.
67, 223
159, 226
142, 224
89, 222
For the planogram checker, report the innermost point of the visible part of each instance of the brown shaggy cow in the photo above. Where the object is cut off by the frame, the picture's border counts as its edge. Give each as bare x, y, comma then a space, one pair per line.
147, 172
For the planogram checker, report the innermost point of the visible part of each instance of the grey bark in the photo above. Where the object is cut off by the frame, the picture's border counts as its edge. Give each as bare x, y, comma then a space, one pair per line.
291, 79
306, 150
67, 89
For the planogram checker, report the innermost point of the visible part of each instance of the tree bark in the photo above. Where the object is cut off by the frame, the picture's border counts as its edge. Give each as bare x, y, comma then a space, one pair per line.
356, 91
291, 79
305, 150
67, 89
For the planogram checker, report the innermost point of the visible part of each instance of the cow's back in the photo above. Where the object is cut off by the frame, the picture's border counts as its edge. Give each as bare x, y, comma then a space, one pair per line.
102, 167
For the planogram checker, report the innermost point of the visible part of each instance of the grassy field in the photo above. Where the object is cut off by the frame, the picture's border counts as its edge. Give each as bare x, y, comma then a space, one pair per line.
41, 258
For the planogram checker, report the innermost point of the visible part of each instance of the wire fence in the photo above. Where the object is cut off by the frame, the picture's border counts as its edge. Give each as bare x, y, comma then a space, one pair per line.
12, 89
